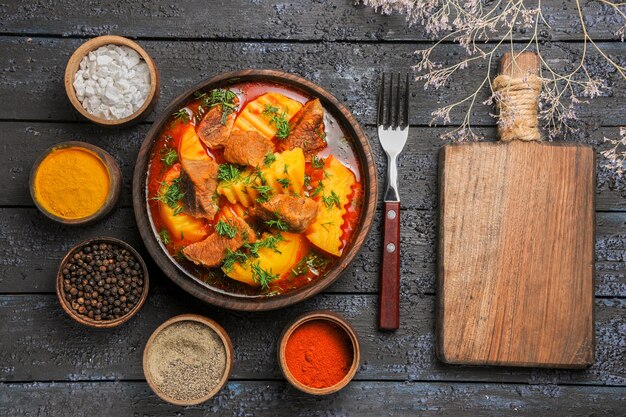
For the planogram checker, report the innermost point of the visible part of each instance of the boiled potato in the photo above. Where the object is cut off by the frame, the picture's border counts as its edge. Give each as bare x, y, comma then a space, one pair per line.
291, 248
255, 117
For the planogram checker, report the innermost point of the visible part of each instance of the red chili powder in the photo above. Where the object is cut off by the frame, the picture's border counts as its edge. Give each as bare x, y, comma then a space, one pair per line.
319, 353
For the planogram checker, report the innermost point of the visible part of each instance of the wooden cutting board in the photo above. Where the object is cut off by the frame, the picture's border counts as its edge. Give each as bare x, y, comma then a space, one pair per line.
516, 249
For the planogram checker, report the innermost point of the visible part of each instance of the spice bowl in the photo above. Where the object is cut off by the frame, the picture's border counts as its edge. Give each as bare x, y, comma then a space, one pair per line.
73, 65
109, 167
188, 359
123, 289
319, 330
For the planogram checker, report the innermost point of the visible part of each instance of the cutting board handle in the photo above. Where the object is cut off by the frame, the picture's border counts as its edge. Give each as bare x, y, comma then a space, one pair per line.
517, 89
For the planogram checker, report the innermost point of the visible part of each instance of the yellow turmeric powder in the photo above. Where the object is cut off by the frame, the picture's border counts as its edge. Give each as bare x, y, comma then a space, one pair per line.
71, 183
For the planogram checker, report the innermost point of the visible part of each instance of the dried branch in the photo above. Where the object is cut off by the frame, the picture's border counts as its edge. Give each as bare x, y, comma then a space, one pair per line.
473, 23
616, 154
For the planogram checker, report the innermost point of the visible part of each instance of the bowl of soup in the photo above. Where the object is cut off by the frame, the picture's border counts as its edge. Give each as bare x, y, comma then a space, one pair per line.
254, 190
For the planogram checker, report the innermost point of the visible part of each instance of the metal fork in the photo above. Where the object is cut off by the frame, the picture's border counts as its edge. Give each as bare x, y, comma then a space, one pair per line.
393, 131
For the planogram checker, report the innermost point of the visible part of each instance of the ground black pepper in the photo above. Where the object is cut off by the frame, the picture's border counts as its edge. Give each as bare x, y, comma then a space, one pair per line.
103, 281
186, 360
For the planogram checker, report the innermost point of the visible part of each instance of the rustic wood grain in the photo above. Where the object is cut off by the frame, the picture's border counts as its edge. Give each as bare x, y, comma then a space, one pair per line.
41, 343
240, 19
31, 247
516, 254
350, 72
367, 399
516, 233
389, 289
23, 142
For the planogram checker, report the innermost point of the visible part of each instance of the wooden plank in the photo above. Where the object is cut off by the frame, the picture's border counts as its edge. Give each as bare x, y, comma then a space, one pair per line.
31, 247
25, 141
516, 244
366, 399
293, 20
41, 343
350, 71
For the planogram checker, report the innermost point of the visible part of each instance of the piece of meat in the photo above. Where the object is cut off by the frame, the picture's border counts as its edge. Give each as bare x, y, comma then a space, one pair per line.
296, 212
211, 251
199, 182
307, 129
211, 130
247, 148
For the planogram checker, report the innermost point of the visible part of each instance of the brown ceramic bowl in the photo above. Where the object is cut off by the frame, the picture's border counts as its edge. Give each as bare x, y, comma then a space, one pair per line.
115, 182
195, 286
228, 345
93, 44
102, 324
313, 316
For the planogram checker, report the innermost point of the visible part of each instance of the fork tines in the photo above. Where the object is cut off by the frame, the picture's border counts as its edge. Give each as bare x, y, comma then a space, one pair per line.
390, 113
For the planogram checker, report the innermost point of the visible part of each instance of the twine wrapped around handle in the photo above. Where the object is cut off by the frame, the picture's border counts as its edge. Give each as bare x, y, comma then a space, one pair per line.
517, 90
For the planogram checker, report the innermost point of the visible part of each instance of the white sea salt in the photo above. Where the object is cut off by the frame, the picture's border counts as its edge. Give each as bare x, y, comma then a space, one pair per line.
112, 82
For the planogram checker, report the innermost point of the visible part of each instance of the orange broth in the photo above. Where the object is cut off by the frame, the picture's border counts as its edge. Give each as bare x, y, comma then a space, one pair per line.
338, 145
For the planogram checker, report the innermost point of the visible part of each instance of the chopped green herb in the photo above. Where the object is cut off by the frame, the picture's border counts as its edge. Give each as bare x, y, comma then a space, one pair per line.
286, 169
278, 119
307, 180
232, 258
268, 242
219, 96
331, 200
263, 189
177, 211
165, 237
228, 172
225, 229
278, 224
263, 198
199, 95
169, 157
326, 224
310, 262
247, 179
269, 158
318, 189
323, 136
265, 192
270, 110
262, 276
180, 255
259, 174
171, 194
285, 182
182, 115
282, 126
318, 162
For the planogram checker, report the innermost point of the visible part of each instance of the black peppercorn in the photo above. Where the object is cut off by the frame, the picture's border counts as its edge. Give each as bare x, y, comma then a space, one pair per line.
102, 281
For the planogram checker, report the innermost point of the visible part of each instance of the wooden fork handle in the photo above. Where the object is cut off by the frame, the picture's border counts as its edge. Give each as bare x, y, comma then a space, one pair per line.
389, 318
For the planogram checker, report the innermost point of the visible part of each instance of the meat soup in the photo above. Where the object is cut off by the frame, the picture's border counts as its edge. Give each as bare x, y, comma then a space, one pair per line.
254, 189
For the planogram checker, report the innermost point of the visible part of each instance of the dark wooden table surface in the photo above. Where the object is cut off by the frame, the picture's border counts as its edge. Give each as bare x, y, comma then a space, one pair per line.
50, 366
